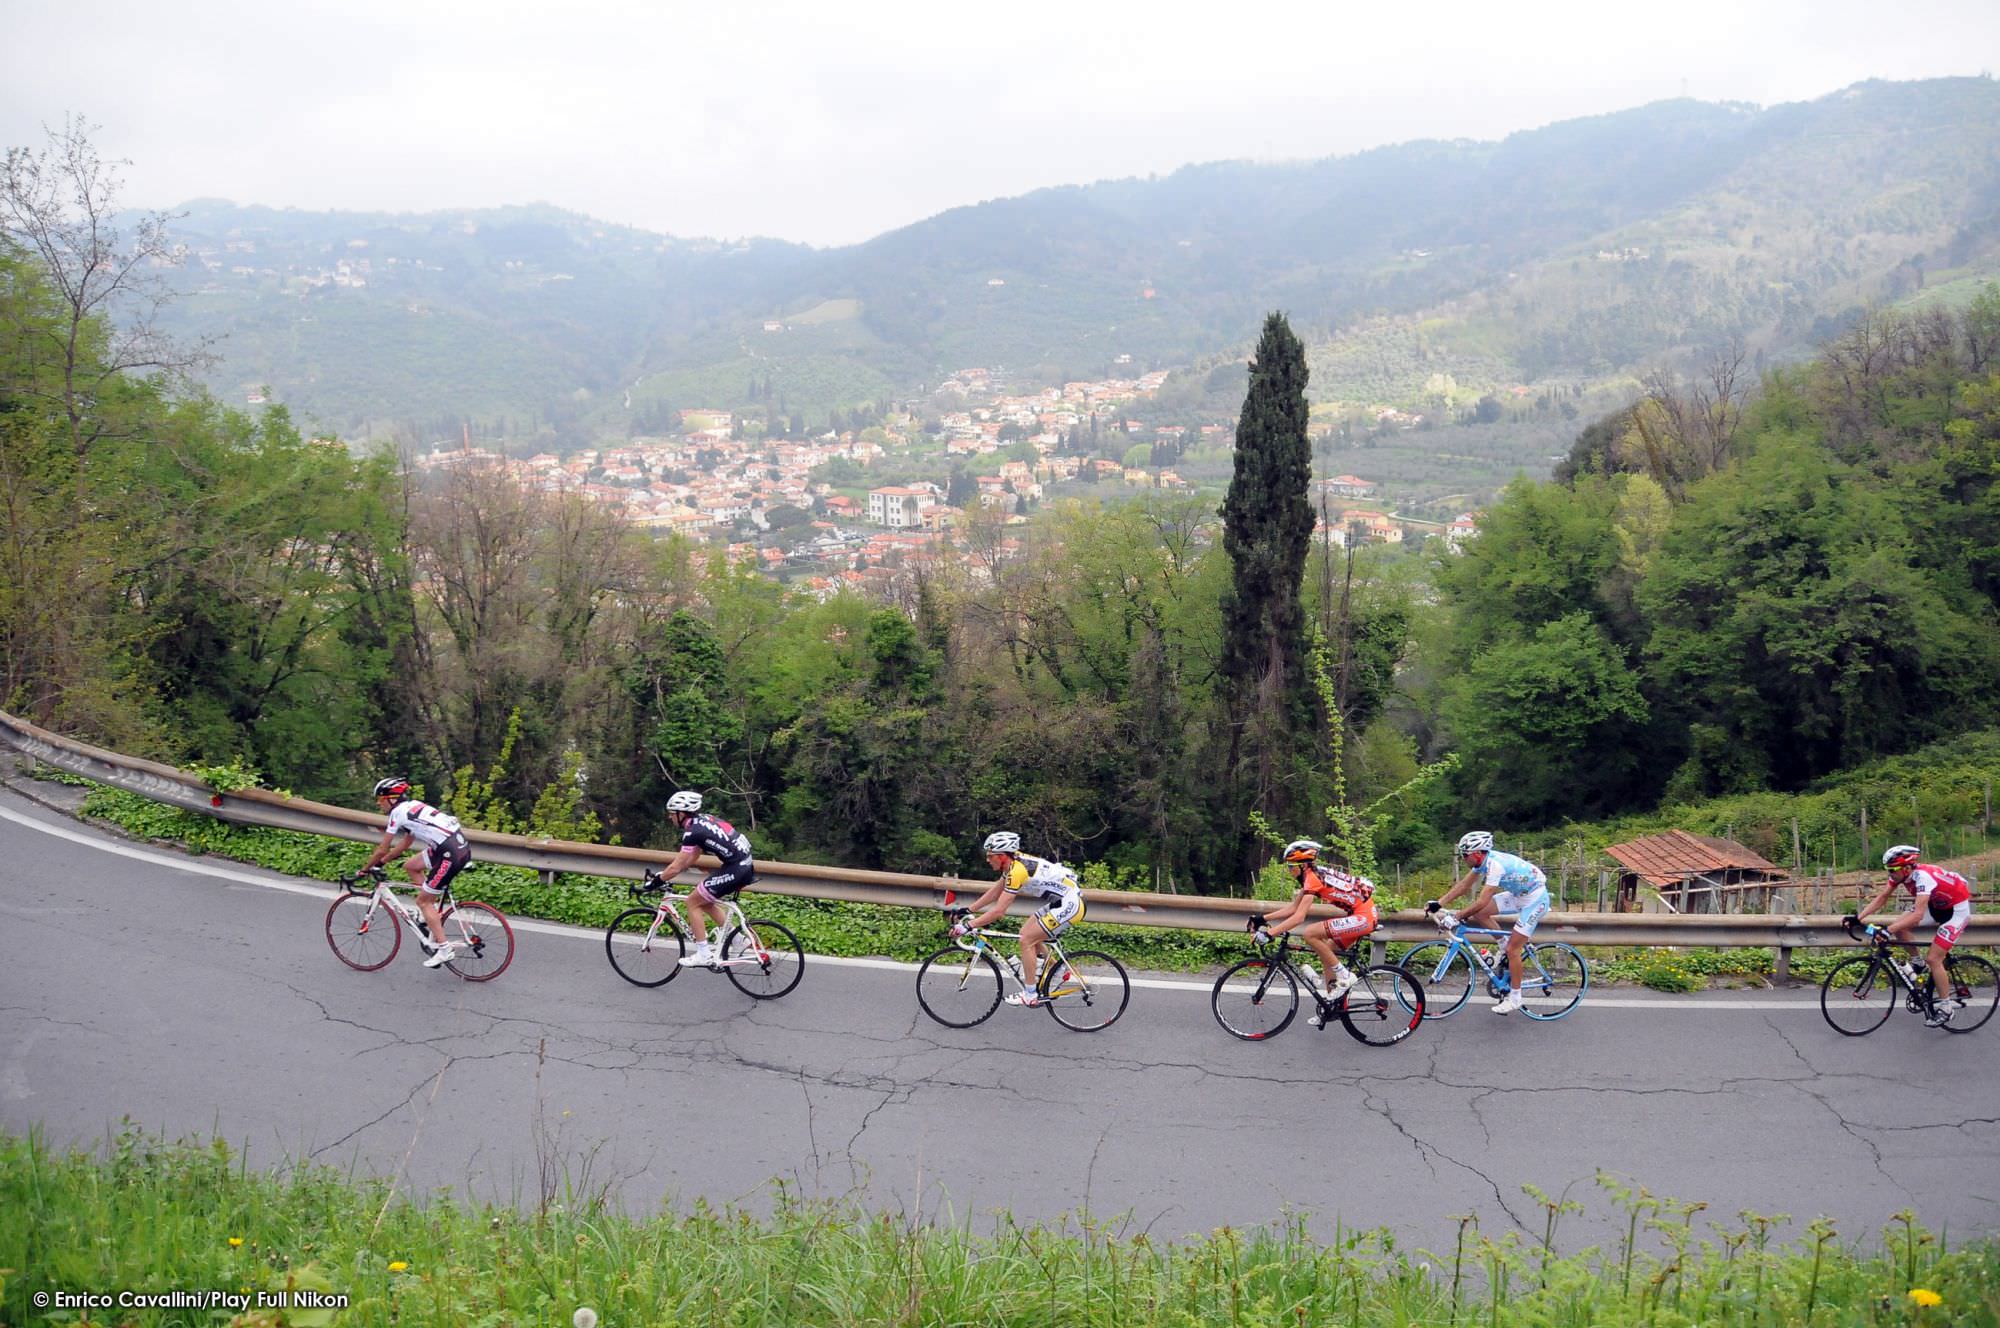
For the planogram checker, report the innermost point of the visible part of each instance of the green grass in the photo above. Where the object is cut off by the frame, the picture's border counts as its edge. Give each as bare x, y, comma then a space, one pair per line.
149, 1216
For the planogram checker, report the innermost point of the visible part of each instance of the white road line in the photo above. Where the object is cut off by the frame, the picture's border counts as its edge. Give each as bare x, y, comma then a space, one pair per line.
200, 867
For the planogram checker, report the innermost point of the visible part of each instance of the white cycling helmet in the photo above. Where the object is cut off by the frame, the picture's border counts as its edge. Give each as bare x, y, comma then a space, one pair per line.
1475, 841
1002, 841
684, 801
1901, 855
1301, 850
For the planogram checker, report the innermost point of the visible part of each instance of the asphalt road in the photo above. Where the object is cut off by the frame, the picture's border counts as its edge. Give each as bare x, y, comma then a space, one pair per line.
199, 997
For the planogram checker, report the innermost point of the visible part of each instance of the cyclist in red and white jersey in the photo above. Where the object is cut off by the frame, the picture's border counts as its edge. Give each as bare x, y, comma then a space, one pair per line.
1353, 895
444, 855
1944, 897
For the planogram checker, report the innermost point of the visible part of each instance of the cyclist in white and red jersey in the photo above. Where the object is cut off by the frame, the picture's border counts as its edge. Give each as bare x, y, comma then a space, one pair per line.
1944, 897
702, 832
1025, 876
1354, 896
444, 855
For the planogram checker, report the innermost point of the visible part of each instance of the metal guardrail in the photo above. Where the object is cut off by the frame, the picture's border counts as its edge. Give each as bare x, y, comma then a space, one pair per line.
163, 783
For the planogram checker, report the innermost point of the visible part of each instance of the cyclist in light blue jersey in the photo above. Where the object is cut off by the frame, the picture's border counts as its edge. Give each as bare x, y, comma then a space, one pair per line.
1508, 885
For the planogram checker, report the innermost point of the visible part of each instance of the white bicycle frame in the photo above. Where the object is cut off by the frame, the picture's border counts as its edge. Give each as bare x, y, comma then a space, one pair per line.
733, 920
413, 916
981, 939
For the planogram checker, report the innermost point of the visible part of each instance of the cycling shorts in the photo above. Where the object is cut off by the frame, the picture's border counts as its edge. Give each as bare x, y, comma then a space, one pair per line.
1057, 917
1344, 932
714, 889
1529, 909
1952, 928
445, 861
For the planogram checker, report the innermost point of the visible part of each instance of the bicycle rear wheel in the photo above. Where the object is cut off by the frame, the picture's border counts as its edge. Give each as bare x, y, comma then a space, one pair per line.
639, 954
484, 940
361, 941
1858, 996
1085, 990
1553, 981
763, 959
1255, 1000
1384, 1006
1446, 975
1976, 982
958, 987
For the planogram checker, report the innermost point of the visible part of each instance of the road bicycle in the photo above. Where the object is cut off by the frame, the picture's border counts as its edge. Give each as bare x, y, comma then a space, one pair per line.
365, 928
1861, 992
1256, 998
763, 958
960, 985
1553, 980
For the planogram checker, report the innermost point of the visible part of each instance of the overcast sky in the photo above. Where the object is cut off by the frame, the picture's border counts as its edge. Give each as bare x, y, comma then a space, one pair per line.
832, 122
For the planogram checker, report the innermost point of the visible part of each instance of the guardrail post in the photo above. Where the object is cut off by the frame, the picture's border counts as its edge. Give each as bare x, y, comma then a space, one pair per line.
548, 878
1783, 972
1378, 951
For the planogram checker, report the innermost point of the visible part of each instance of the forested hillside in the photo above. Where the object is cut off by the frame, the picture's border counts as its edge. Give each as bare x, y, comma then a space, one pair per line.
1426, 275
1732, 587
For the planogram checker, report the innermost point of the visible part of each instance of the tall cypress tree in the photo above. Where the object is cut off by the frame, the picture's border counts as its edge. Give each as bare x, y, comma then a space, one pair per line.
1267, 524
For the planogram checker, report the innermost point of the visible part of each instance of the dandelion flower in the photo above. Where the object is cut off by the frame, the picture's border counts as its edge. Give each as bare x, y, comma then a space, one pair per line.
235, 1242
1925, 1297
398, 1266
585, 1317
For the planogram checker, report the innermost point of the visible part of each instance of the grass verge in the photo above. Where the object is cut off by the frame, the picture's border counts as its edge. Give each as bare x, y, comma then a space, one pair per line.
151, 1218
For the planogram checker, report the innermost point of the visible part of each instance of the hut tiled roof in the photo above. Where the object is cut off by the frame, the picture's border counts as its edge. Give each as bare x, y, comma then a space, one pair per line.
1675, 856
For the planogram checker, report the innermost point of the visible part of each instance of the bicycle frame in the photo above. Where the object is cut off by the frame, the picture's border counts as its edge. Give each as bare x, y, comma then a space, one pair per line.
981, 943
732, 919
1283, 956
1460, 938
384, 894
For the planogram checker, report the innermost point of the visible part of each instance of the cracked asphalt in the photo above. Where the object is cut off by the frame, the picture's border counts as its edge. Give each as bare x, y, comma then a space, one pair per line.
196, 1005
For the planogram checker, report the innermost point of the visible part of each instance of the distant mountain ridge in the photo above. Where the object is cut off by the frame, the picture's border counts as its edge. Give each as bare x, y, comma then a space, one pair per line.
1576, 252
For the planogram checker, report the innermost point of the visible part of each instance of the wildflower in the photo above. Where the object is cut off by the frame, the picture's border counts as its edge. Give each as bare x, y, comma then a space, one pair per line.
235, 1242
1925, 1297
398, 1266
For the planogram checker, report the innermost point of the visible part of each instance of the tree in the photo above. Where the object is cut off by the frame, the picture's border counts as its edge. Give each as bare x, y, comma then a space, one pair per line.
1267, 526
58, 205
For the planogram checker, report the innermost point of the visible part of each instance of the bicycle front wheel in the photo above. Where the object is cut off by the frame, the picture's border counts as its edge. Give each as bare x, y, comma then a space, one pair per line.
1384, 1006
1976, 982
1553, 980
643, 948
763, 959
959, 988
359, 940
1255, 1000
484, 941
1445, 974
1858, 996
1084, 990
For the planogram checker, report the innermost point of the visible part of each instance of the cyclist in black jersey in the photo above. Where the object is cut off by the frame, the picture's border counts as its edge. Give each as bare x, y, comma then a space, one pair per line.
703, 833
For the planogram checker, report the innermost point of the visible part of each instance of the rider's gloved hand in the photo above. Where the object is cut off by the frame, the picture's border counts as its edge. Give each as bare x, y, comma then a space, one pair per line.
1432, 906
1263, 937
959, 929
1851, 920
1256, 922
375, 872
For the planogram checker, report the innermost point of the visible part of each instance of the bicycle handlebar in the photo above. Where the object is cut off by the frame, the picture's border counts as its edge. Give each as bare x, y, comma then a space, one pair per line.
353, 880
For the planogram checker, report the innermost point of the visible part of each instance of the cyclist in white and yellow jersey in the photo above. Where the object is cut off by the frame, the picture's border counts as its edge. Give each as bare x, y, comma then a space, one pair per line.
1022, 875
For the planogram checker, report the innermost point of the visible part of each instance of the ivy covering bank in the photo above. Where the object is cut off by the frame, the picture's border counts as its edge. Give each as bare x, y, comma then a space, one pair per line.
148, 1216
